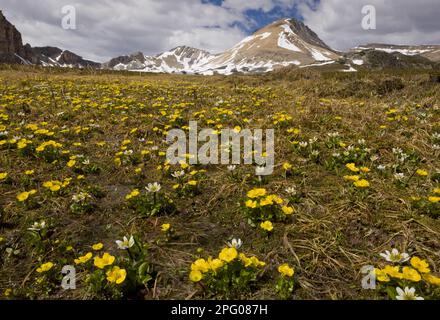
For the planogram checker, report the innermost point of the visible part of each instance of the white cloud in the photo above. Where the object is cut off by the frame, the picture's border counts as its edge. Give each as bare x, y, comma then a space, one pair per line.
108, 28
338, 22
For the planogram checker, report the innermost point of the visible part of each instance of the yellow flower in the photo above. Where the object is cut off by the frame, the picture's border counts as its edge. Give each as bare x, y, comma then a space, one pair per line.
286, 270
106, 260
3, 175
411, 274
287, 166
45, 267
437, 190
23, 196
84, 258
266, 225
228, 254
97, 246
287, 210
351, 178
195, 276
192, 183
132, 194
352, 167
71, 163
365, 169
165, 227
266, 201
200, 265
420, 264
256, 193
116, 275
434, 199
381, 275
251, 204
422, 173
393, 272
214, 264
361, 183
29, 172
432, 279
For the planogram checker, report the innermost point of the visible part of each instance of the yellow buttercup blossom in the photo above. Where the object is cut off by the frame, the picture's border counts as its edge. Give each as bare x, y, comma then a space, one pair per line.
97, 246
256, 193
166, 227
393, 272
361, 183
251, 204
437, 190
352, 167
116, 275
200, 265
286, 270
215, 264
3, 175
266, 225
422, 173
434, 199
381, 275
195, 276
132, 194
84, 258
45, 267
411, 274
71, 163
287, 166
25, 195
288, 210
266, 201
106, 260
431, 279
228, 254
421, 265
352, 178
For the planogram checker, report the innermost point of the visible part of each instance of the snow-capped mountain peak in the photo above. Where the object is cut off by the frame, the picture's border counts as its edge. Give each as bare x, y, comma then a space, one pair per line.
282, 43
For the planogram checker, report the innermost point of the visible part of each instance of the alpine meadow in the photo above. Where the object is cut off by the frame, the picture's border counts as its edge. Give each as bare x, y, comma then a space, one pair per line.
330, 190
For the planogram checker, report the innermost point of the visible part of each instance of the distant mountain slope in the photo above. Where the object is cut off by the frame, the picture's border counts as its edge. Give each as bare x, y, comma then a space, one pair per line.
286, 42
13, 51
431, 52
282, 43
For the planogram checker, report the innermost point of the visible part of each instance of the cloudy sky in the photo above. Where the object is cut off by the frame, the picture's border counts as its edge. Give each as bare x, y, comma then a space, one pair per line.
108, 28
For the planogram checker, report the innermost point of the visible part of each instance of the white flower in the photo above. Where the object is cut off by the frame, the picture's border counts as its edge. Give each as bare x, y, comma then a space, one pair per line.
291, 190
37, 226
399, 176
315, 153
303, 144
361, 141
128, 152
336, 155
407, 294
235, 243
232, 167
313, 140
381, 167
153, 187
125, 243
395, 256
178, 174
80, 197
333, 134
